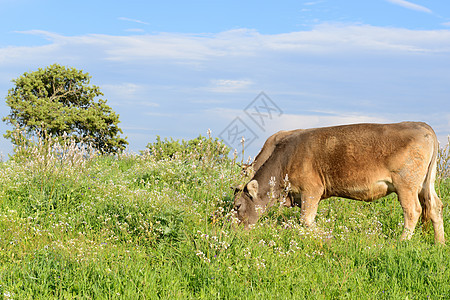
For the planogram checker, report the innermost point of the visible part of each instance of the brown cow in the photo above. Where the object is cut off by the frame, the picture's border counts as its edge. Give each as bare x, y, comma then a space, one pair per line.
361, 162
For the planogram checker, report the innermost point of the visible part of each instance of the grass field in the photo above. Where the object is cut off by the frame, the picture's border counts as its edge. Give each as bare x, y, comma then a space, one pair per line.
137, 227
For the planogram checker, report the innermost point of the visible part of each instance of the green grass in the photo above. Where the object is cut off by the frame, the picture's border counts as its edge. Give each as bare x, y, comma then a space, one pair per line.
132, 227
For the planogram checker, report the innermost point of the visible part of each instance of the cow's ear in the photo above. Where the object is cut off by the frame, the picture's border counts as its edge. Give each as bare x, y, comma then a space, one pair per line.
252, 188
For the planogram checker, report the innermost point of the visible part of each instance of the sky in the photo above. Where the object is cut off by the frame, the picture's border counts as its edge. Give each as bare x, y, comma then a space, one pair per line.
240, 68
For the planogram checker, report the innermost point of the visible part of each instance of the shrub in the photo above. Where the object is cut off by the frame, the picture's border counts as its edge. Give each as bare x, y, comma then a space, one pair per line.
195, 148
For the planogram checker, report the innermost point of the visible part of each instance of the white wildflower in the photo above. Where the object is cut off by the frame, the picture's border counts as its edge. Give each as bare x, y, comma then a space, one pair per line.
259, 209
202, 256
272, 181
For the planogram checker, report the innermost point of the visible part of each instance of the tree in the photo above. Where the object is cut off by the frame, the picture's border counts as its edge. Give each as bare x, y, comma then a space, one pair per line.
59, 100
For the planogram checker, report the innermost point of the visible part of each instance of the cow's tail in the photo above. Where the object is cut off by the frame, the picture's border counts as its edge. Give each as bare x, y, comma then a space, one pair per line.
428, 195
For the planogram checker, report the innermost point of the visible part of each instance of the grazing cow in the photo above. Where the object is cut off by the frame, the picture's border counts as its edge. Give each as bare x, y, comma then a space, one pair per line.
361, 162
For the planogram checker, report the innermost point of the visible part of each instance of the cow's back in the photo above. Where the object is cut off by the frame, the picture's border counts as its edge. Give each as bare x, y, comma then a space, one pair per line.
353, 157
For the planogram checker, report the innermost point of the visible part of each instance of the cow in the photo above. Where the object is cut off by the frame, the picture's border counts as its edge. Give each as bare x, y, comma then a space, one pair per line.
360, 161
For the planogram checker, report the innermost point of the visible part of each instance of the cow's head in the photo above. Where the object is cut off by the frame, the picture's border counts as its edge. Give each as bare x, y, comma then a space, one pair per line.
252, 200
248, 203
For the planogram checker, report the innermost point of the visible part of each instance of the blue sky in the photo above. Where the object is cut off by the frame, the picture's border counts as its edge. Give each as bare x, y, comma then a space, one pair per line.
179, 68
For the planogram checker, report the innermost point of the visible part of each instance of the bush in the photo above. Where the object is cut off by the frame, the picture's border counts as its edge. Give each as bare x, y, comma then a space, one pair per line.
195, 148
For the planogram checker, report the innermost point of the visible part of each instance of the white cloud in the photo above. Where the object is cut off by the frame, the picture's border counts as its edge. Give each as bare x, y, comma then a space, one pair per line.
338, 38
229, 85
124, 90
133, 20
410, 5
197, 49
312, 3
126, 94
161, 46
137, 30
51, 36
159, 114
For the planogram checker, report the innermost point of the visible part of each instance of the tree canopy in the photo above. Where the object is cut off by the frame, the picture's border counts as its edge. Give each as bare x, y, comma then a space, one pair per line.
58, 100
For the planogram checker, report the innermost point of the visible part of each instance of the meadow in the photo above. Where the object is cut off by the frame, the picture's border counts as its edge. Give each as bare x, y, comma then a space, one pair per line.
158, 225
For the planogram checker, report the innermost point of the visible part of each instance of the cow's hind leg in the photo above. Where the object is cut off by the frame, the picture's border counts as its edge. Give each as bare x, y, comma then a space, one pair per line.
435, 214
409, 200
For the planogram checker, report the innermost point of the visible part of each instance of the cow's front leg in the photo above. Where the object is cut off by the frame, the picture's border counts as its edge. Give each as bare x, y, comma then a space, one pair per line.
308, 208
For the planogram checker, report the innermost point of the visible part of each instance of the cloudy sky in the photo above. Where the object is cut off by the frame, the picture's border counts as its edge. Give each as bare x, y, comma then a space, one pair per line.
179, 68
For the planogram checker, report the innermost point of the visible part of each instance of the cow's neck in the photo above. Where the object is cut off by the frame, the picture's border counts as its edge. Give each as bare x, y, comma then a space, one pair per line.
270, 171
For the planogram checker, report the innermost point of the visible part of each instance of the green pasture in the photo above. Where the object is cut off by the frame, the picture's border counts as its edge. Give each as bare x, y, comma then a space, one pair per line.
160, 227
